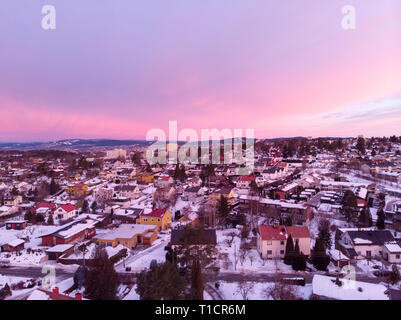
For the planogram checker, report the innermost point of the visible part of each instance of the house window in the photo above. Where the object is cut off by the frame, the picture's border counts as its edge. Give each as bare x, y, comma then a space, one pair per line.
281, 251
269, 243
368, 254
397, 256
282, 243
158, 219
269, 252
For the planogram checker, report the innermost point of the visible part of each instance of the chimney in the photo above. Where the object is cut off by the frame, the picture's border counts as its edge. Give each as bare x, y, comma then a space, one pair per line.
55, 290
78, 296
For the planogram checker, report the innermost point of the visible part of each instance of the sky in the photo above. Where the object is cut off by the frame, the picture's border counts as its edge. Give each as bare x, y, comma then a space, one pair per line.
118, 68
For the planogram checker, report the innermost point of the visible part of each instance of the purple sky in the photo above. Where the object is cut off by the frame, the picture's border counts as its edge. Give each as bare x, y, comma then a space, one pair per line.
117, 68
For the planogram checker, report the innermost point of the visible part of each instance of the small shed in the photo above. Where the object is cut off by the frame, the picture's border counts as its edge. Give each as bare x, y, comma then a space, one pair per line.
57, 251
16, 224
13, 246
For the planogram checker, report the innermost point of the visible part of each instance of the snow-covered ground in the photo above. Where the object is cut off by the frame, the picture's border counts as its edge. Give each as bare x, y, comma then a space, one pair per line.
25, 257
230, 291
141, 259
252, 262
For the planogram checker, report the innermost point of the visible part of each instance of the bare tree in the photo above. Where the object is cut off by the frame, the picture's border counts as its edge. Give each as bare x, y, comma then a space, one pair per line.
230, 241
251, 258
242, 255
245, 288
280, 291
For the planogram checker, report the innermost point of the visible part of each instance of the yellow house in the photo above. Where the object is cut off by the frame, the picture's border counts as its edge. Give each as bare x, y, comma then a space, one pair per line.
146, 178
128, 235
228, 193
78, 189
159, 217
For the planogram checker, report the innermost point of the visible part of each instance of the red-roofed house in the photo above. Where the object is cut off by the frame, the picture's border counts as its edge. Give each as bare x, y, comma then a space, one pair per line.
65, 212
164, 182
44, 207
272, 240
244, 182
160, 217
40, 294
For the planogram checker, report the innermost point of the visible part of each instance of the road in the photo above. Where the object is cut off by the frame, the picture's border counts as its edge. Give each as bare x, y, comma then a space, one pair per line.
62, 274
35, 272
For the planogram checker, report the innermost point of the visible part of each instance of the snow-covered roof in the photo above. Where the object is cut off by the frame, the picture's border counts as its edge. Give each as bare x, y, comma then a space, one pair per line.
60, 248
126, 231
393, 247
15, 242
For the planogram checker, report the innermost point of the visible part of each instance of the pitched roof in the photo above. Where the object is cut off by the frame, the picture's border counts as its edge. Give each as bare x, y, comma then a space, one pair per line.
208, 236
48, 205
371, 237
272, 232
158, 213
68, 207
246, 178
281, 232
298, 231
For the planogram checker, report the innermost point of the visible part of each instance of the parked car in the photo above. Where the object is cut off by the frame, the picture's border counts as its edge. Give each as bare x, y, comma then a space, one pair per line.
382, 273
4, 263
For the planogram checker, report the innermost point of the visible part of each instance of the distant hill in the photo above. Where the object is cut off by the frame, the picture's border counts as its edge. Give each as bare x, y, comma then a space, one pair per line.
72, 144
82, 144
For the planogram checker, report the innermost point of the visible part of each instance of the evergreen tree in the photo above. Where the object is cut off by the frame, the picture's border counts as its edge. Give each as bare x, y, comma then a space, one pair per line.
319, 258
14, 191
197, 281
350, 205
50, 220
28, 216
324, 233
380, 224
136, 159
39, 218
289, 251
183, 175
161, 282
364, 220
299, 262
102, 280
80, 276
395, 275
94, 207
54, 187
223, 210
360, 145
177, 172
85, 206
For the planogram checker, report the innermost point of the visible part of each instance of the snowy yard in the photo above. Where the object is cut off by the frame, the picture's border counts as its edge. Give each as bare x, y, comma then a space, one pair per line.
25, 257
247, 261
230, 291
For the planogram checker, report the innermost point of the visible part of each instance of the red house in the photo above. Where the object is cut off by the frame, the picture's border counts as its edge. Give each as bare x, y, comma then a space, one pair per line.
71, 233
